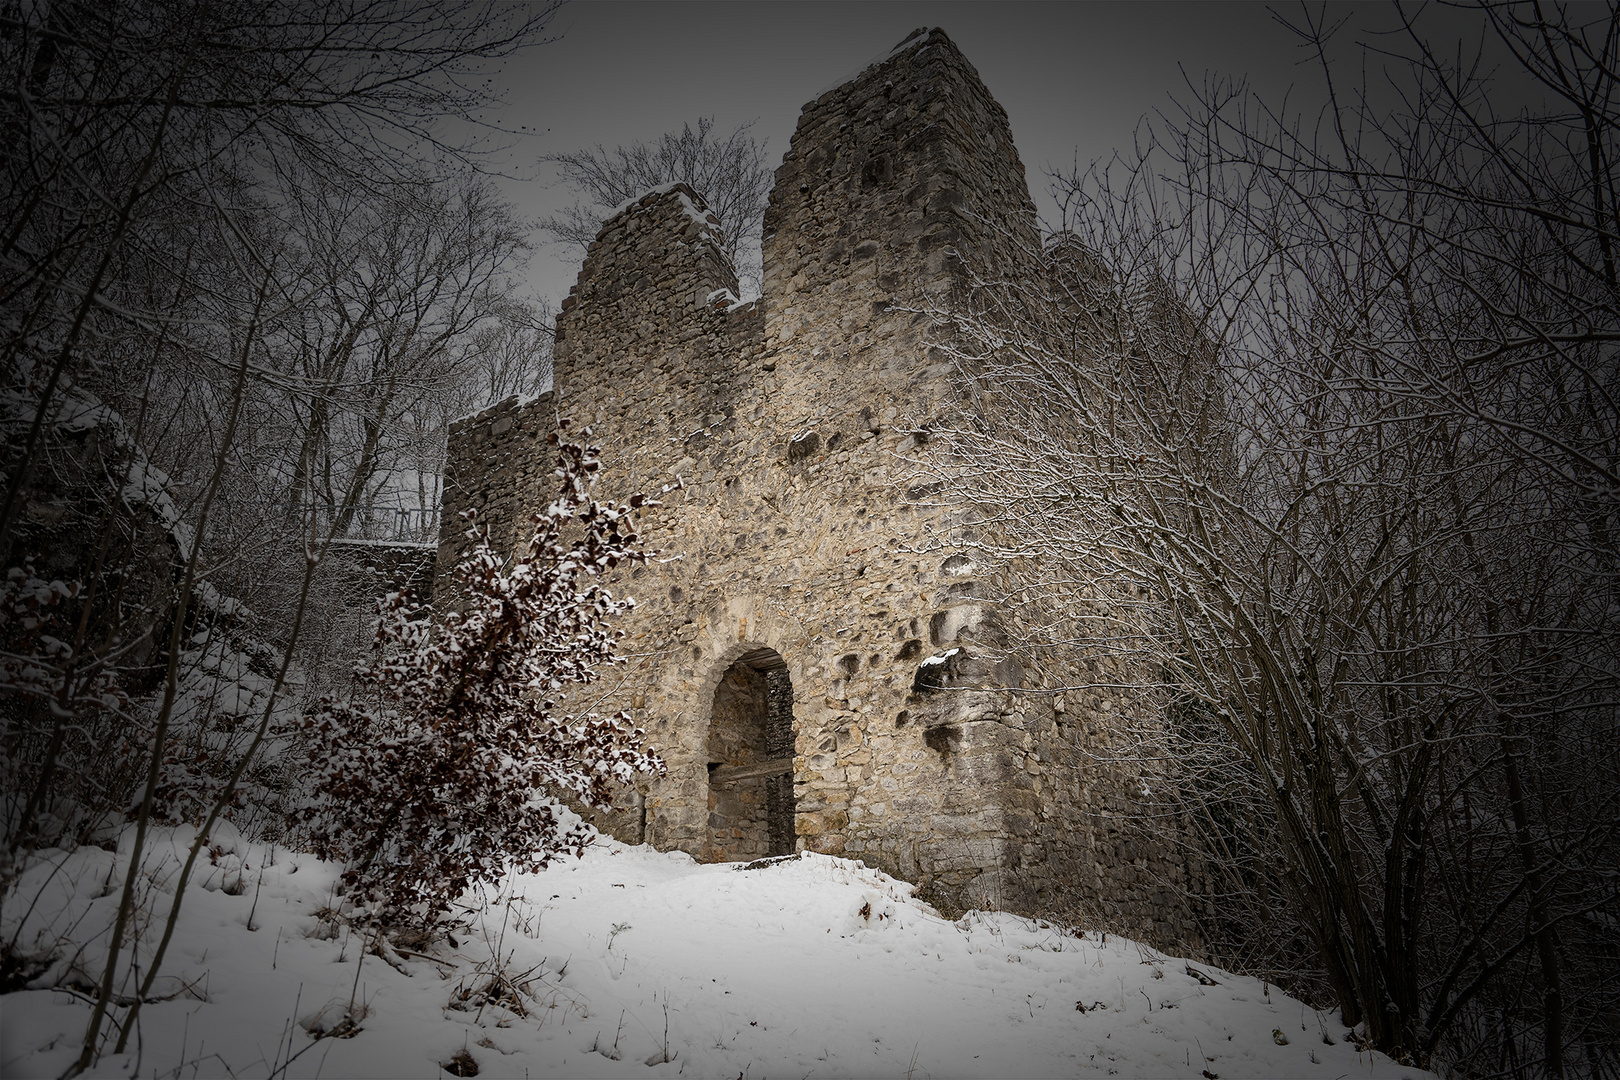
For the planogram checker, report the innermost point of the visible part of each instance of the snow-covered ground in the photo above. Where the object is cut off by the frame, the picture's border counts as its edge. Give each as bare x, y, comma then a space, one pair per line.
632, 962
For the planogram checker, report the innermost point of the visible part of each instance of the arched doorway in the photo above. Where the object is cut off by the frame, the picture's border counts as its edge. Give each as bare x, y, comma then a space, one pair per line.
751, 760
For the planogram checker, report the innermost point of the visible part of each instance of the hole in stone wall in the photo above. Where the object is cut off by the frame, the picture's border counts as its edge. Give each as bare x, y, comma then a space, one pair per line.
802, 446
849, 663
932, 675
910, 650
878, 171
750, 757
944, 739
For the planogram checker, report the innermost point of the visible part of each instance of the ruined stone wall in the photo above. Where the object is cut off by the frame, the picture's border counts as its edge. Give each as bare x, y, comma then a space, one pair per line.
890, 180
498, 466
800, 543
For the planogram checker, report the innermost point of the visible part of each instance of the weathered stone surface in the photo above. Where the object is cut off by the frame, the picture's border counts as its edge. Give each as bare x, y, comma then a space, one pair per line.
801, 600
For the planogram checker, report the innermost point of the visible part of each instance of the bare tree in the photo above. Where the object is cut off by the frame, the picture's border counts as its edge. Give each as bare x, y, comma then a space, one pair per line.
513, 354
142, 185
121, 124
379, 312
731, 173
1312, 435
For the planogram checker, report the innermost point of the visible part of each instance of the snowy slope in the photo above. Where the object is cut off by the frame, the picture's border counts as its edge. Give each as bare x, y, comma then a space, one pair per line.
812, 966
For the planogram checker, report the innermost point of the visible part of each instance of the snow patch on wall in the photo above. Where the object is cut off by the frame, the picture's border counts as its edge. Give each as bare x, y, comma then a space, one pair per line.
723, 296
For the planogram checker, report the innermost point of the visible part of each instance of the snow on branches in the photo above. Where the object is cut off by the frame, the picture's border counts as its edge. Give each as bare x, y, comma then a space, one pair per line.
32, 660
433, 773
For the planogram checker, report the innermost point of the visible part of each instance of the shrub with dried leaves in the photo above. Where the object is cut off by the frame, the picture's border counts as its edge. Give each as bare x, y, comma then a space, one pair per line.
430, 777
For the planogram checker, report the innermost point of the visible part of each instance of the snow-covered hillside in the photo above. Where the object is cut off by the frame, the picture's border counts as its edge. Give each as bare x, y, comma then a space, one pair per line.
632, 962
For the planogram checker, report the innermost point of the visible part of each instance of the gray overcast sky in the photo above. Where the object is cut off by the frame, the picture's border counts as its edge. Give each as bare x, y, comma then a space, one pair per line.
1075, 78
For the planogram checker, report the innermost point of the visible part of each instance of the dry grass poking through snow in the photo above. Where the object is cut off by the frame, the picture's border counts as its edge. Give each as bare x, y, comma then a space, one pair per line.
631, 962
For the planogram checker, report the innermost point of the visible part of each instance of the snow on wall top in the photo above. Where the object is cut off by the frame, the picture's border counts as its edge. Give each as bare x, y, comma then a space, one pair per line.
148, 486
661, 189
917, 37
515, 401
690, 202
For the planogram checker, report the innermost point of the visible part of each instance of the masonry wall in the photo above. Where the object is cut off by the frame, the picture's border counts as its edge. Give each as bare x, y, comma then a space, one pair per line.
803, 534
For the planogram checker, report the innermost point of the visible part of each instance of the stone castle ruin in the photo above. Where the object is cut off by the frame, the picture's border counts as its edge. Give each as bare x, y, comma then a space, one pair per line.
818, 667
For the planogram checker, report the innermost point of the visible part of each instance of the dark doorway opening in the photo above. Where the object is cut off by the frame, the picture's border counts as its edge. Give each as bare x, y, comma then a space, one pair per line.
751, 760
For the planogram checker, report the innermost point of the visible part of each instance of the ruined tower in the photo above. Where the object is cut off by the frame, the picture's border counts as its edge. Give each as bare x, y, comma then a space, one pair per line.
819, 669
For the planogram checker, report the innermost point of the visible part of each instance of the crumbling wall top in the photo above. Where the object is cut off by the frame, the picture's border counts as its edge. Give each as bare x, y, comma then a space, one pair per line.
685, 196
664, 246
